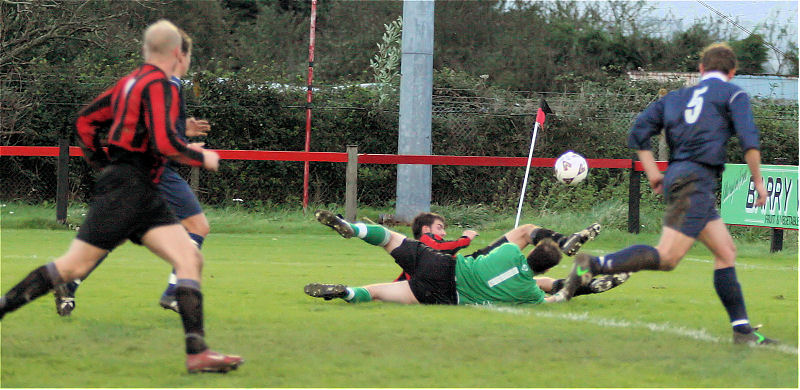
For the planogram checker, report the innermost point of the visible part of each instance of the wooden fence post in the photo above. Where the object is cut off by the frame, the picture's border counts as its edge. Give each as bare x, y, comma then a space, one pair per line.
776, 243
62, 179
194, 179
634, 194
351, 178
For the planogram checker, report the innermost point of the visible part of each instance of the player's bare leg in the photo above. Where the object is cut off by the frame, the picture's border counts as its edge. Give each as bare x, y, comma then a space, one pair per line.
397, 292
172, 243
64, 293
672, 246
372, 234
569, 245
521, 235
716, 237
79, 259
198, 228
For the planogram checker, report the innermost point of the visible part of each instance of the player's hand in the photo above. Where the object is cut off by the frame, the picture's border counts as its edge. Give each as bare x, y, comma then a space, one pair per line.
762, 194
657, 182
197, 127
198, 146
471, 234
210, 160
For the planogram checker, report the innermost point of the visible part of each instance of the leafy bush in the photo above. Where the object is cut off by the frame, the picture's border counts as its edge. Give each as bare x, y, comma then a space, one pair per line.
250, 111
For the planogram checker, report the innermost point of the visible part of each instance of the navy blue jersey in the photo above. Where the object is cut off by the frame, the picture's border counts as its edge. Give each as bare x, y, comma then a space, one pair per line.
698, 121
180, 124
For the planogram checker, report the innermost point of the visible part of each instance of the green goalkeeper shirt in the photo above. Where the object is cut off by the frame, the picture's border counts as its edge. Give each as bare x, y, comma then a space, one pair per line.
500, 276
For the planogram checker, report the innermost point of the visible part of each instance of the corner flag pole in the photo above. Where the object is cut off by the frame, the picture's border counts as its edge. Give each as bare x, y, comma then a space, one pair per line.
544, 109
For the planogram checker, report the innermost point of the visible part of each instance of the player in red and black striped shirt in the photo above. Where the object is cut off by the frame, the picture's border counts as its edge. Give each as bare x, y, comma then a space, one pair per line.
428, 228
179, 195
140, 110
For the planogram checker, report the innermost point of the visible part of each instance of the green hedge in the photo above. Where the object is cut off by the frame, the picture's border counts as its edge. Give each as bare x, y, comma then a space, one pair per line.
249, 113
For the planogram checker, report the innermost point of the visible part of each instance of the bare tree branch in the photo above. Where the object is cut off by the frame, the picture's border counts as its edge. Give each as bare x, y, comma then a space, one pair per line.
36, 24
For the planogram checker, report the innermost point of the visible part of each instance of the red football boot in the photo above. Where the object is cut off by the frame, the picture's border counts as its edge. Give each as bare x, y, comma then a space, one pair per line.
210, 361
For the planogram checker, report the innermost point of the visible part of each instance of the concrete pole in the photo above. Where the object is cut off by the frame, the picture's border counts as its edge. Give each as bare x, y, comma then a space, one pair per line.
416, 94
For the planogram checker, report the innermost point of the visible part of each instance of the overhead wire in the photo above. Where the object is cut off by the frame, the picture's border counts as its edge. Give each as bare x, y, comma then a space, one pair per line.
739, 26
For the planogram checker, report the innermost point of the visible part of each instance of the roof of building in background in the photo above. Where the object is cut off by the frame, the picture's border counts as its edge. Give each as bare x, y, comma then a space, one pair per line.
765, 86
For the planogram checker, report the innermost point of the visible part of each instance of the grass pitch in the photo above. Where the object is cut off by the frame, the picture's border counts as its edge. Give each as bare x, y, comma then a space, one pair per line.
660, 329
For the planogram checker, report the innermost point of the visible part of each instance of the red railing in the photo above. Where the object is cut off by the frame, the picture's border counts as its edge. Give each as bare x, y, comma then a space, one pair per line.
363, 158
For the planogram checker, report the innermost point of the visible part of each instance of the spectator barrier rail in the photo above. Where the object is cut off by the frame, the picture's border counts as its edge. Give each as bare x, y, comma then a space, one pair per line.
635, 167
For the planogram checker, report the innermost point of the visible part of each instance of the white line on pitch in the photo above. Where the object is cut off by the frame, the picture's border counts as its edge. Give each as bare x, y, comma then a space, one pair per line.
696, 334
749, 266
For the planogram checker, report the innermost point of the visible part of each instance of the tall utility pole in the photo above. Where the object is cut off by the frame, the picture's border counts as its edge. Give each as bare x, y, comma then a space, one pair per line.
416, 95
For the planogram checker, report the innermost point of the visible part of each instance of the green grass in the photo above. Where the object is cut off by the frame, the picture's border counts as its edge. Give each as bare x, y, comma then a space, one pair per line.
661, 329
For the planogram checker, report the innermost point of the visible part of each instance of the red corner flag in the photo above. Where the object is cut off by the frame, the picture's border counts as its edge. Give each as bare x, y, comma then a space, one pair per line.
543, 110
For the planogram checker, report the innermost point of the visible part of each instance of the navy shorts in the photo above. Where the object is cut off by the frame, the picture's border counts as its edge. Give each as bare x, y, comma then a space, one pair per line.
690, 192
433, 273
125, 205
178, 194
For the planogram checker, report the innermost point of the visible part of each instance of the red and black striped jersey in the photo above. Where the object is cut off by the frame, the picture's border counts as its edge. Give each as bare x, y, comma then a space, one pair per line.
442, 245
139, 113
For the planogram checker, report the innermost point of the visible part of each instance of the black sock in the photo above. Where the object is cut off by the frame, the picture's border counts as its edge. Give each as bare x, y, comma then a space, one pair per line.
73, 286
558, 284
37, 283
583, 290
190, 306
490, 247
730, 293
539, 234
631, 259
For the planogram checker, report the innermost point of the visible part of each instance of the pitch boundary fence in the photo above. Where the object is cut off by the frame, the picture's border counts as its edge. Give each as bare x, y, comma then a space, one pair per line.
63, 152
352, 159
363, 158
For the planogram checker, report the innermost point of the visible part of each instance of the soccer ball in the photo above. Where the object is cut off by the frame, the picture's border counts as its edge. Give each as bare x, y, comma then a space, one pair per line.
571, 168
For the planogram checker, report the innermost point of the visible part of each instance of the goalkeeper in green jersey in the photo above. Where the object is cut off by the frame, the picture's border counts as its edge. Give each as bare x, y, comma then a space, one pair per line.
499, 273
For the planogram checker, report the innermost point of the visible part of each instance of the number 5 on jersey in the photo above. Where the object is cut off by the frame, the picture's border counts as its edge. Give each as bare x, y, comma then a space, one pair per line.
694, 106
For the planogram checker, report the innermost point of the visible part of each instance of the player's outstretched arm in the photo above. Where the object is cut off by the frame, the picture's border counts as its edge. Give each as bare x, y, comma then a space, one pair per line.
753, 159
654, 176
210, 160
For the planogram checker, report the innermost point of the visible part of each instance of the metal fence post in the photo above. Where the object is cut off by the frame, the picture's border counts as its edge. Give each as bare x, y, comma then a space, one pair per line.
62, 178
351, 179
634, 194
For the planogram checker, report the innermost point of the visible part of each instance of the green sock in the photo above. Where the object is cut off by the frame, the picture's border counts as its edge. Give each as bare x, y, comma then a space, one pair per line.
357, 295
372, 234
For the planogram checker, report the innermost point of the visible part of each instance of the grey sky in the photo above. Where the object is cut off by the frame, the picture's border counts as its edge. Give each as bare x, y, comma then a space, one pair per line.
749, 14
